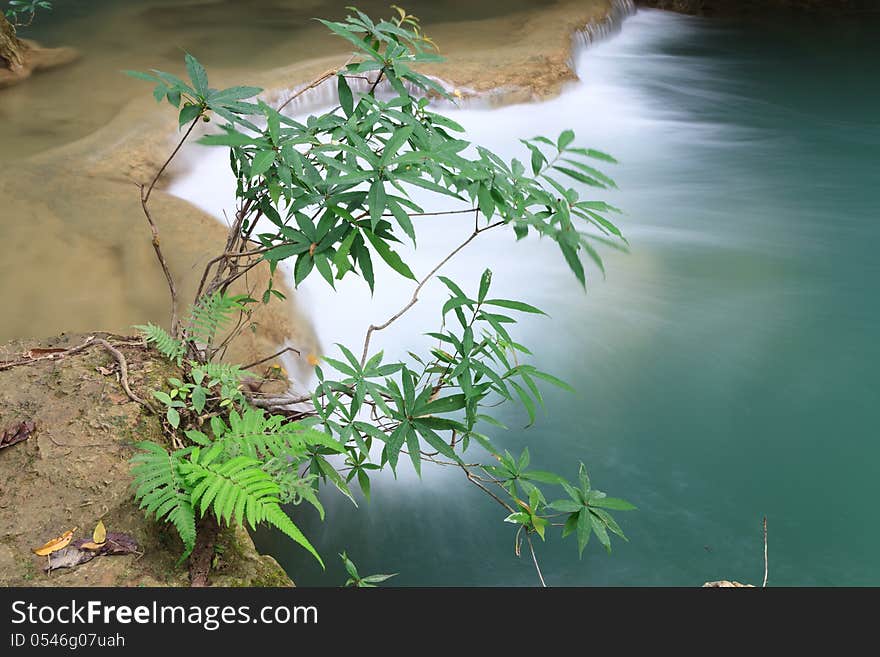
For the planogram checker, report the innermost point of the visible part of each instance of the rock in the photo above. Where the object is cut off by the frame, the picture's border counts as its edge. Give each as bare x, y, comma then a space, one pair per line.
70, 474
727, 584
35, 58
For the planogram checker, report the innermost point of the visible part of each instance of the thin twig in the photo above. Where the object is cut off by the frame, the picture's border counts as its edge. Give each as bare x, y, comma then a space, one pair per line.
145, 198
275, 355
170, 157
314, 83
476, 483
415, 296
535, 560
172, 288
766, 566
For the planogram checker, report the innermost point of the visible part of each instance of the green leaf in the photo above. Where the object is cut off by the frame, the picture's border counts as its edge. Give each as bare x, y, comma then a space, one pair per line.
601, 533
173, 417
574, 263
199, 398
584, 527
376, 579
189, 113
443, 405
515, 305
394, 143
376, 201
346, 99
364, 482
518, 518
262, 161
389, 256
163, 397
613, 503
565, 138
566, 506
485, 281
197, 74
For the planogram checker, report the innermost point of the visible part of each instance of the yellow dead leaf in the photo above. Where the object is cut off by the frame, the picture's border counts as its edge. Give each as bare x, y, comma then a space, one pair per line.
91, 545
55, 544
100, 533
313, 360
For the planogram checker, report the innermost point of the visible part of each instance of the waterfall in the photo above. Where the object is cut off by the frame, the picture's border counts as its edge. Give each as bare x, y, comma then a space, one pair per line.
325, 94
609, 26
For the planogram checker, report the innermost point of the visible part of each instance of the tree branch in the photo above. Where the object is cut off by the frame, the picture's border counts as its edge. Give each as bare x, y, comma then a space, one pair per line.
415, 296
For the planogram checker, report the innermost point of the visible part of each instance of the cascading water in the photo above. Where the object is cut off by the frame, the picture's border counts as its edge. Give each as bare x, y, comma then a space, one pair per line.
724, 367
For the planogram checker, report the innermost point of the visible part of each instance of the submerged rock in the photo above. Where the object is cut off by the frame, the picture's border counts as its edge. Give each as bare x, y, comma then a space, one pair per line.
30, 57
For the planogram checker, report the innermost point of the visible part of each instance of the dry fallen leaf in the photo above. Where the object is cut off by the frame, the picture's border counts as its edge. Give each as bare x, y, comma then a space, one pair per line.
106, 371
16, 433
91, 545
55, 544
100, 533
81, 551
41, 353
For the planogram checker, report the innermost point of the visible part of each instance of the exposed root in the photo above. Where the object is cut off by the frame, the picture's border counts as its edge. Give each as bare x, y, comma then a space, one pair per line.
203, 553
90, 342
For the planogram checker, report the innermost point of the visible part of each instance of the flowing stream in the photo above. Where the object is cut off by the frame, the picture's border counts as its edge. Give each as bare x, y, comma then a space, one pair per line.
725, 367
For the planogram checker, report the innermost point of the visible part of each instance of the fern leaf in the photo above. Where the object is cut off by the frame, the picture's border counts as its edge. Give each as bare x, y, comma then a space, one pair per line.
161, 491
238, 489
275, 516
170, 347
211, 314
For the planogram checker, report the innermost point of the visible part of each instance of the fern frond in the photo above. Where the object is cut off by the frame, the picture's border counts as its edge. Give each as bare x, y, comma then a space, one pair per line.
210, 314
170, 347
238, 489
161, 491
226, 375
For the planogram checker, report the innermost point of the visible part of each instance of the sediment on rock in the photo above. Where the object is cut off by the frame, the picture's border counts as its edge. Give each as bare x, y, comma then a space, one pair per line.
72, 470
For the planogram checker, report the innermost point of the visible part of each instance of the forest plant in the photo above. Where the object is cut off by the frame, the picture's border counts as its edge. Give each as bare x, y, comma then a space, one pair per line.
332, 194
21, 13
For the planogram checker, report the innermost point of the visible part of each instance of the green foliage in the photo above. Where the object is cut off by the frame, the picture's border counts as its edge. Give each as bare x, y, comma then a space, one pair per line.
587, 511
237, 489
160, 489
197, 99
21, 13
356, 581
211, 314
332, 195
170, 347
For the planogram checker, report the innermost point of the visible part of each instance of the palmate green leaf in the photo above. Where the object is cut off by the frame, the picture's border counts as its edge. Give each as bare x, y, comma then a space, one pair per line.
197, 74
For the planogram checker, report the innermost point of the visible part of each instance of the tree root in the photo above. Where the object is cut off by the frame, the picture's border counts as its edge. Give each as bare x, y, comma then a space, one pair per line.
203, 553
91, 341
